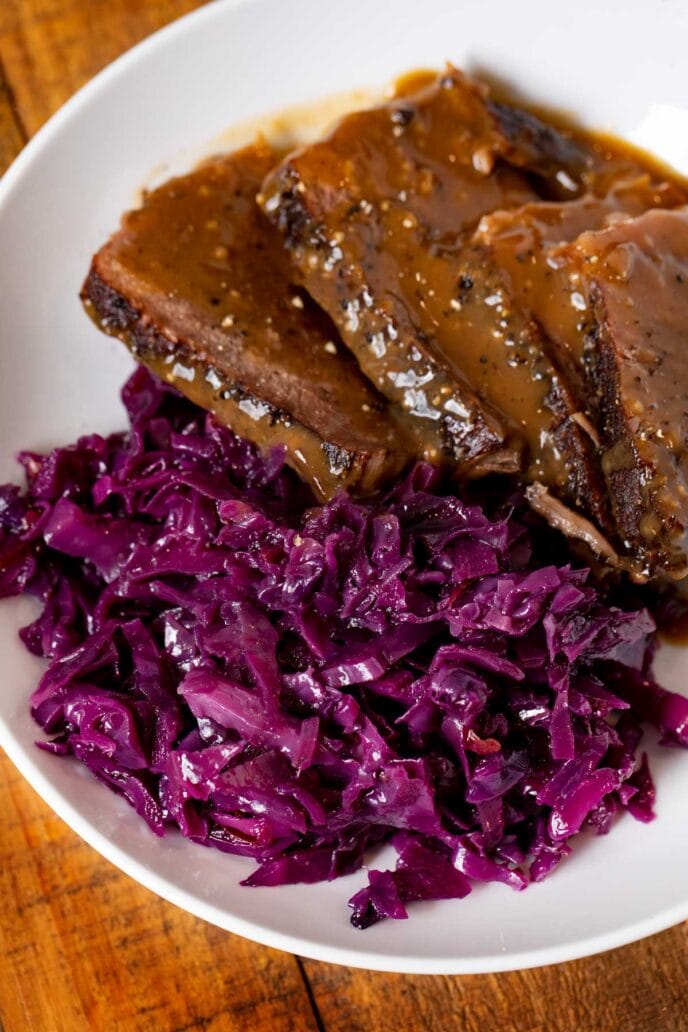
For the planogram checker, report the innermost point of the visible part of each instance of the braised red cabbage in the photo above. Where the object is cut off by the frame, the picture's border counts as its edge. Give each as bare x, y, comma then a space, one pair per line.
299, 683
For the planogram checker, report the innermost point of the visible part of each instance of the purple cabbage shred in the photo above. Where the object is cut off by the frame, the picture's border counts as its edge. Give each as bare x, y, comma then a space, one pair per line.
299, 683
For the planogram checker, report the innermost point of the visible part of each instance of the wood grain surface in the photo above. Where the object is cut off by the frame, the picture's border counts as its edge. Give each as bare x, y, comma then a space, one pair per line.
82, 947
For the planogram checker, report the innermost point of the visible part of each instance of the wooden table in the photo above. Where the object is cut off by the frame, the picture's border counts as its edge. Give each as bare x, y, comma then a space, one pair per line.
84, 947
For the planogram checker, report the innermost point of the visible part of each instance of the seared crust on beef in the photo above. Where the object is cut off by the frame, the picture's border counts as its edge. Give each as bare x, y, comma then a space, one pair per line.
467, 317
373, 216
198, 286
327, 467
634, 275
378, 219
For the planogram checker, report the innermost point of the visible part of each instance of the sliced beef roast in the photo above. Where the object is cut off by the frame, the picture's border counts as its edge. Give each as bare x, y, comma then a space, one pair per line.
633, 281
378, 217
374, 216
497, 295
522, 242
540, 249
198, 285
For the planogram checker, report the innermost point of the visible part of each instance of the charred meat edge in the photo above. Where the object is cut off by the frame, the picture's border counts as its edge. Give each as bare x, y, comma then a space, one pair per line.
341, 467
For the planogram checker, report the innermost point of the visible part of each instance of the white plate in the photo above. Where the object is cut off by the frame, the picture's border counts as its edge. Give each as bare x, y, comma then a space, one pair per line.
619, 65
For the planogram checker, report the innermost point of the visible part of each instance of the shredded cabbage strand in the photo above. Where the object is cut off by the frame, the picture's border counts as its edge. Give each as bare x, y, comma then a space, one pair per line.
299, 683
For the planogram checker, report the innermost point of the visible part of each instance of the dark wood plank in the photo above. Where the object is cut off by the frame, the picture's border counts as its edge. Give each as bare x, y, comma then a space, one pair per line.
12, 136
641, 988
84, 947
52, 47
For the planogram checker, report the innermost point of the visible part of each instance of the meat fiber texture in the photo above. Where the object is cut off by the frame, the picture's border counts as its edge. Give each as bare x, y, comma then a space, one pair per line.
299, 683
198, 286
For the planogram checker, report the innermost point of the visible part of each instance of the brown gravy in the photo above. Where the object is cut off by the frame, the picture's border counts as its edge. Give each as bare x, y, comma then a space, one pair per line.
438, 230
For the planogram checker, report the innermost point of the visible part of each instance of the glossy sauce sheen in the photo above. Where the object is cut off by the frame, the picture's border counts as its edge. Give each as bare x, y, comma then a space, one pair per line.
437, 231
389, 194
392, 196
203, 268
634, 275
483, 272
526, 244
